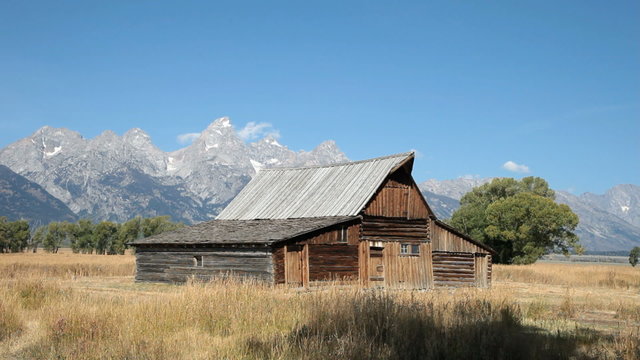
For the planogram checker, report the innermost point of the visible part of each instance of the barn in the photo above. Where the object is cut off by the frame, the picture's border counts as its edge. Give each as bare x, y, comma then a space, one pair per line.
363, 221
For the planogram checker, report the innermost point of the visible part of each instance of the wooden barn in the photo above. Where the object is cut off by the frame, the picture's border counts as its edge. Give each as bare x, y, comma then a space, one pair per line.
363, 221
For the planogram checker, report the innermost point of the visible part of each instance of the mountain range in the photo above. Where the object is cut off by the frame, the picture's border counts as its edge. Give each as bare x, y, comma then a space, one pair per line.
113, 177
56, 174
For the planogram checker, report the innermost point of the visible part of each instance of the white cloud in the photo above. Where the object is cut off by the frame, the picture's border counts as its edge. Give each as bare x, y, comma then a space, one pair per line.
512, 166
253, 131
187, 138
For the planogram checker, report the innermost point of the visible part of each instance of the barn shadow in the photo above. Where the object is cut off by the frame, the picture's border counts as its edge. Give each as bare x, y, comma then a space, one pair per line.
380, 327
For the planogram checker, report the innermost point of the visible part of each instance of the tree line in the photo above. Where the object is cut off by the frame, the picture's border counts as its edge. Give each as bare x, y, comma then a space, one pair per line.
84, 236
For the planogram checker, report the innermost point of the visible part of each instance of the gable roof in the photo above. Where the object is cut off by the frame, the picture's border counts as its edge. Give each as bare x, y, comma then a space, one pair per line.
265, 232
318, 191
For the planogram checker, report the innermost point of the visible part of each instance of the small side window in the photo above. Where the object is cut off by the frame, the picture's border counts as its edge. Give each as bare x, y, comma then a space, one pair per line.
342, 235
410, 249
197, 261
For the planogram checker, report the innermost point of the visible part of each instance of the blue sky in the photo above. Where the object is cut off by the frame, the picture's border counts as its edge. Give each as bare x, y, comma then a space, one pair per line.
550, 85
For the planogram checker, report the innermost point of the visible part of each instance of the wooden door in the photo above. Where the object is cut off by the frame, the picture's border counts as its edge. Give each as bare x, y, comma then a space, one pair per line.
296, 269
481, 270
376, 266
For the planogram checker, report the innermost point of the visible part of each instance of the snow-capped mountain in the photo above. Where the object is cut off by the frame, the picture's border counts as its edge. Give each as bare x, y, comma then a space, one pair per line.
117, 177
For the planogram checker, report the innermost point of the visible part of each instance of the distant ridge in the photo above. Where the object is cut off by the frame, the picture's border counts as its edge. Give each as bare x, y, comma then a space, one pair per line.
23, 199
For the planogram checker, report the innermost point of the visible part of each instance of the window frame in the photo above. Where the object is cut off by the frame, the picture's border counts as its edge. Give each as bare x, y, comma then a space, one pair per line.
343, 235
198, 261
409, 249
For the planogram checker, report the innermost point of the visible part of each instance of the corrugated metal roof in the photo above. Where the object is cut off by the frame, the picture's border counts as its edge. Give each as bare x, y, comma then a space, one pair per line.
318, 191
243, 231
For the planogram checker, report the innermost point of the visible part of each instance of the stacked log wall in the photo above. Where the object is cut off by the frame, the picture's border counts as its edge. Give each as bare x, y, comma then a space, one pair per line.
176, 265
392, 229
453, 269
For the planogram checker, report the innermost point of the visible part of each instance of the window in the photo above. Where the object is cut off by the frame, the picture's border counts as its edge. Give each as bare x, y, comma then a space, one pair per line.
342, 235
197, 261
410, 249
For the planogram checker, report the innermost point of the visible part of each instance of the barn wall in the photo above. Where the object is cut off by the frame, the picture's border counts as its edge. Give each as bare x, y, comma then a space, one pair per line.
333, 262
278, 264
399, 197
328, 259
393, 229
167, 264
444, 240
453, 269
407, 271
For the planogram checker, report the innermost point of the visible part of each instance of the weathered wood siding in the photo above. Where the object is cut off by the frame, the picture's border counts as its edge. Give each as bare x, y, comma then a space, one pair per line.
278, 264
407, 271
175, 264
453, 268
444, 240
329, 258
333, 262
392, 229
399, 197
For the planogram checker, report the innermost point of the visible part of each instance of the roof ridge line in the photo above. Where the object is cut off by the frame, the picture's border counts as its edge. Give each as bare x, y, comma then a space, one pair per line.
346, 163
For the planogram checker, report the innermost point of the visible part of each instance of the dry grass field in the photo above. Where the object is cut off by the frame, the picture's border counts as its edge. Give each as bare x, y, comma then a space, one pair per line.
69, 306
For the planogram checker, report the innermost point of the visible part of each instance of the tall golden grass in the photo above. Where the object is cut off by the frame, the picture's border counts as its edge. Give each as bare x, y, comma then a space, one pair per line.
52, 314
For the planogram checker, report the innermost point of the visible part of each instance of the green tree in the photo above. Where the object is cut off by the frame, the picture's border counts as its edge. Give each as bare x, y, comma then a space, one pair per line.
519, 219
129, 231
38, 238
157, 225
104, 235
56, 234
84, 236
4, 235
19, 234
634, 256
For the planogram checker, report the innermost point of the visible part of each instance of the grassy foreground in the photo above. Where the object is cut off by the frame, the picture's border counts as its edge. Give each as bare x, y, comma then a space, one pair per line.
68, 306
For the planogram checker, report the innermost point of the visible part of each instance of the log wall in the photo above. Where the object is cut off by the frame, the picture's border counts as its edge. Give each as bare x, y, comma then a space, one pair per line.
453, 269
175, 264
393, 229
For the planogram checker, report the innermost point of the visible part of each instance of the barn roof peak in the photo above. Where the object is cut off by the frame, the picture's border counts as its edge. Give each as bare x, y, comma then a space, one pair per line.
341, 189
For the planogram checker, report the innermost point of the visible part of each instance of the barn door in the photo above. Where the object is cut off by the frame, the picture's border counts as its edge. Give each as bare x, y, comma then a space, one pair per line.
481, 267
295, 265
376, 266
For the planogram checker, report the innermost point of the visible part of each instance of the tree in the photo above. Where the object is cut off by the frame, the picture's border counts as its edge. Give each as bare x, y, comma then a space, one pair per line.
104, 236
634, 256
157, 225
4, 235
519, 219
56, 234
129, 231
38, 238
18, 235
84, 236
